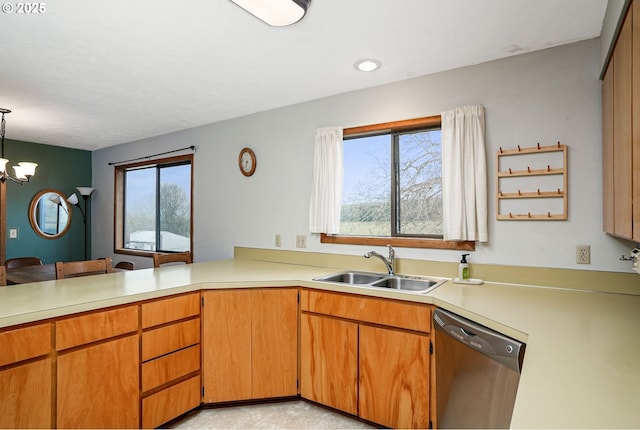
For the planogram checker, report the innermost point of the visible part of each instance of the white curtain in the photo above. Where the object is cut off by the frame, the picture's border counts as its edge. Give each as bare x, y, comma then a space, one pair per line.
328, 174
464, 174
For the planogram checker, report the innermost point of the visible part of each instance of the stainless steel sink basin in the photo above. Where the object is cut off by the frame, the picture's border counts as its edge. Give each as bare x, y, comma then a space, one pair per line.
415, 284
401, 283
352, 277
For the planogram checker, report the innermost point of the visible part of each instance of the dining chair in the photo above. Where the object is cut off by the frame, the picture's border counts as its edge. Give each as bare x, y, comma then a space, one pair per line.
10, 263
177, 257
83, 268
126, 265
3, 276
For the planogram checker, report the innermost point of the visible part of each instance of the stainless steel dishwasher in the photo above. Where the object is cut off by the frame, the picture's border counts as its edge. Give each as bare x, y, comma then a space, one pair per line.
477, 373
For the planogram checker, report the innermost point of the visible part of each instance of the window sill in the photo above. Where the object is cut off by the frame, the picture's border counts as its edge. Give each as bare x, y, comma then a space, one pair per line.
134, 252
399, 242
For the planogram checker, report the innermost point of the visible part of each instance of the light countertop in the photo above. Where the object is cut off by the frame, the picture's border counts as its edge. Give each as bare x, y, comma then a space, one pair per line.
581, 367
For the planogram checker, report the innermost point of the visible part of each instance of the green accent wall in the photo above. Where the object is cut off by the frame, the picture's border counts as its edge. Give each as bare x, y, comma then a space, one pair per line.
59, 168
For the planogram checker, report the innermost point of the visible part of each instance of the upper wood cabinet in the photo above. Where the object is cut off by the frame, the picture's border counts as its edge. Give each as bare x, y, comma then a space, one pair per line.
621, 133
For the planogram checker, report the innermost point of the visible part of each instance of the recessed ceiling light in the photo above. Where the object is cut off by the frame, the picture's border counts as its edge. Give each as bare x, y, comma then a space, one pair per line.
367, 65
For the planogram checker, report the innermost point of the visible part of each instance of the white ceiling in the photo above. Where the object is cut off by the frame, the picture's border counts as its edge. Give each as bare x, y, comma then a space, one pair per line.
91, 74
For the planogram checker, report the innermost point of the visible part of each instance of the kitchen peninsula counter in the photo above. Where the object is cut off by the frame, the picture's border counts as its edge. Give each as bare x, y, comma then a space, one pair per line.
581, 363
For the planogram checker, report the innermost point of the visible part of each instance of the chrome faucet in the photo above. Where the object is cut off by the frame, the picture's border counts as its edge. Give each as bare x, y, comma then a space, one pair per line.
387, 261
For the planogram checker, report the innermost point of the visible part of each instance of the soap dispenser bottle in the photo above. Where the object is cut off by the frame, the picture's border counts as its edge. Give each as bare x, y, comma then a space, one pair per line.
463, 269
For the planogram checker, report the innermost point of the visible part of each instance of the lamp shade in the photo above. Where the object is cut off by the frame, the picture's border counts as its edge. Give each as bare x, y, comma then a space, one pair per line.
20, 172
85, 191
3, 164
73, 199
277, 13
28, 168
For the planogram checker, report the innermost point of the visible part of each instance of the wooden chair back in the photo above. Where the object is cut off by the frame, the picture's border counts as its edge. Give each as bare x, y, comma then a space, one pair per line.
126, 265
177, 257
3, 276
82, 268
22, 261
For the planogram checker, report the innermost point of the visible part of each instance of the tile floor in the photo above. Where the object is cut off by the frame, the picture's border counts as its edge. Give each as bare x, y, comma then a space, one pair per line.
294, 414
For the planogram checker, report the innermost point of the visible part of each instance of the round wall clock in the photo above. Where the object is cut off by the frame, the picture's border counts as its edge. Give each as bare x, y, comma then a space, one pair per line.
247, 161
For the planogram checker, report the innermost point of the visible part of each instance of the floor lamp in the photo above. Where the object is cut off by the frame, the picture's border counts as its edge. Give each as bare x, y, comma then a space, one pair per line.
85, 192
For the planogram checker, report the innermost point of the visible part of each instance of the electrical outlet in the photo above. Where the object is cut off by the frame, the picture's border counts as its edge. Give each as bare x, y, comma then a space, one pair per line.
583, 254
301, 241
278, 240
13, 233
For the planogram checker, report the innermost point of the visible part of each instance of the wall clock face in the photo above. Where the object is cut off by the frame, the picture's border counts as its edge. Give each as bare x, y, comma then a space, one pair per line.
247, 161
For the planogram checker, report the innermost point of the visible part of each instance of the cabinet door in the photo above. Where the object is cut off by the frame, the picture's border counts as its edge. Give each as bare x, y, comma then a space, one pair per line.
226, 345
25, 396
98, 386
328, 362
274, 343
608, 187
394, 378
636, 121
622, 154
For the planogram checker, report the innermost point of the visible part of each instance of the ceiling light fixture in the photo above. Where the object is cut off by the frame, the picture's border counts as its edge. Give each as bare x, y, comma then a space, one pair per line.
24, 170
277, 13
367, 65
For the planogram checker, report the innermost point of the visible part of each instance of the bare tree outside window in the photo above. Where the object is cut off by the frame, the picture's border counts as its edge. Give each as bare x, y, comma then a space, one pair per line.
393, 185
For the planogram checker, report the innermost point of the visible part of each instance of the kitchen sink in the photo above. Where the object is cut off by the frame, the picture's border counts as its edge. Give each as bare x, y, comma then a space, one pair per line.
352, 278
415, 284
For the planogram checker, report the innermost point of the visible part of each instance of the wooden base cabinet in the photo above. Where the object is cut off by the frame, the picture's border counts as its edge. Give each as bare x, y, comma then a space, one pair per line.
26, 386
98, 386
329, 362
393, 381
170, 360
98, 369
250, 346
366, 356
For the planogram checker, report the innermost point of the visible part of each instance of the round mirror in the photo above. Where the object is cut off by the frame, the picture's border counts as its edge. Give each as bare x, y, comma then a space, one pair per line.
50, 214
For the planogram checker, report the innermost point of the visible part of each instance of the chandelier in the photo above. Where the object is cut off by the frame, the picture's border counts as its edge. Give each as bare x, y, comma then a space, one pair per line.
23, 171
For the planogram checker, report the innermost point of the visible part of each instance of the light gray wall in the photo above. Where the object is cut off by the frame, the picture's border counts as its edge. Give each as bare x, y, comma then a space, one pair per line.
547, 96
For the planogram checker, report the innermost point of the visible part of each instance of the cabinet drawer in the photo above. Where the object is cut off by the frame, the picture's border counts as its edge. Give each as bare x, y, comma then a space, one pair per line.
170, 367
24, 343
171, 309
411, 316
95, 326
170, 338
170, 403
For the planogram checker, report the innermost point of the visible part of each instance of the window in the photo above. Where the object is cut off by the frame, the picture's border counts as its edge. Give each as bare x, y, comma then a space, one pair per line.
153, 206
392, 186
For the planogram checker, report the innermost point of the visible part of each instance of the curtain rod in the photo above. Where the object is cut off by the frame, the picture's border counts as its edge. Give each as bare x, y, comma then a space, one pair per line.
148, 157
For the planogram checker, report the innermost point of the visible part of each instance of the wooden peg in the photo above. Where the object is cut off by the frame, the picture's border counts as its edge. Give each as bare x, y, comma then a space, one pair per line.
500, 193
559, 191
528, 169
538, 146
510, 170
549, 214
538, 191
548, 168
519, 148
529, 214
501, 150
519, 193
558, 144
510, 216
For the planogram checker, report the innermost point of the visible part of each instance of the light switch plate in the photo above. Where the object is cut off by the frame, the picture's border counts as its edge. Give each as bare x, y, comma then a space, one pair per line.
13, 233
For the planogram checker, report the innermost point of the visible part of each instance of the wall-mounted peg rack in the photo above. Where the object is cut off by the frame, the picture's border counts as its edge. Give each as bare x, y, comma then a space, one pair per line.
533, 169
